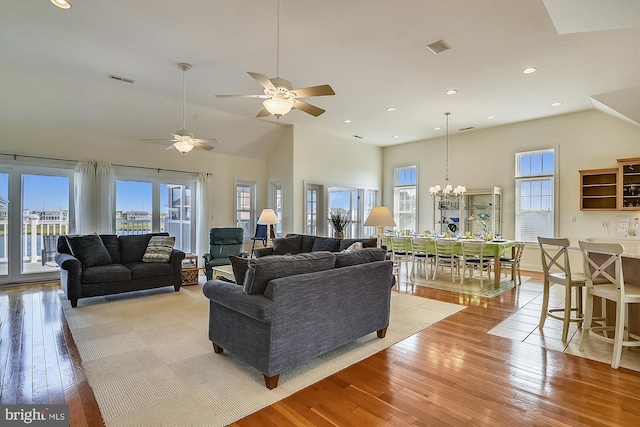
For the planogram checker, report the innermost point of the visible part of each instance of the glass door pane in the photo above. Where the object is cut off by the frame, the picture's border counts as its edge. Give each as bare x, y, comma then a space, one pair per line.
4, 224
45, 208
133, 207
175, 214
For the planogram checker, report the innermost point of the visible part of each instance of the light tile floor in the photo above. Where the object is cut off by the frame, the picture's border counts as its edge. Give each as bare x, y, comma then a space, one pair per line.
523, 326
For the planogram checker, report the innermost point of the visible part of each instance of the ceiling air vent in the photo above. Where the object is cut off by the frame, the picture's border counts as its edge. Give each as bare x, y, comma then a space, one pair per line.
122, 79
463, 129
358, 136
438, 47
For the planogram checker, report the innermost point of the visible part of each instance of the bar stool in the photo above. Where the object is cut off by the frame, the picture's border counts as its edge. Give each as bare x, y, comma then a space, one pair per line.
600, 283
555, 254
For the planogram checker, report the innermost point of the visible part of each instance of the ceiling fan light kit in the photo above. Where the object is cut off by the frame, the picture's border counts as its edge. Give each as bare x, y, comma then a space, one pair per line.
183, 140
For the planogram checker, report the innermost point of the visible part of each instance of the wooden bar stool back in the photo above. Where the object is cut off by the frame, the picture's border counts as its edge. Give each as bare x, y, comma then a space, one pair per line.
605, 280
555, 256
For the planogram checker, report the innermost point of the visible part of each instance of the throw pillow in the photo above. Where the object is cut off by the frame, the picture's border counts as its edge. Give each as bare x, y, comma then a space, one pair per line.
239, 266
354, 247
346, 259
262, 270
89, 249
326, 244
286, 245
159, 249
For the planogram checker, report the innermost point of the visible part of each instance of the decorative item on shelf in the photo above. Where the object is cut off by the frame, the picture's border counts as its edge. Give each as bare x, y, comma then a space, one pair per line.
484, 221
339, 221
269, 217
379, 217
447, 195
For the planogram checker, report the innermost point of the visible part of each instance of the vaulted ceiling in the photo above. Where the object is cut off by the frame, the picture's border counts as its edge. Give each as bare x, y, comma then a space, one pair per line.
55, 65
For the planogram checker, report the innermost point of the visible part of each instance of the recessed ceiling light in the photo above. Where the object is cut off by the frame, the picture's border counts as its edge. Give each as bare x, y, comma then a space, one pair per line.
529, 70
451, 92
491, 117
437, 128
347, 121
396, 136
62, 4
556, 104
391, 108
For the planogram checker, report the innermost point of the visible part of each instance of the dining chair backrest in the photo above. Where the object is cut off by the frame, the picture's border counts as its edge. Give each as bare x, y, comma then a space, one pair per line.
472, 249
400, 244
606, 267
420, 245
519, 250
445, 247
555, 254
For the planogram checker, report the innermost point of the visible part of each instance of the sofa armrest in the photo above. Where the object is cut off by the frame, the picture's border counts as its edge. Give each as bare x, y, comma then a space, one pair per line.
70, 275
260, 252
207, 258
231, 296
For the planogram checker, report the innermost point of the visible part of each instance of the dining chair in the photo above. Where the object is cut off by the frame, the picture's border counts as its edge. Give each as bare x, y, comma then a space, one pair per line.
473, 258
401, 251
446, 257
602, 264
555, 256
421, 255
514, 261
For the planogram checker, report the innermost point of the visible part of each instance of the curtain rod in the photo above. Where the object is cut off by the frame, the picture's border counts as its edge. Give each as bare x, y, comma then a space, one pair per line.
15, 157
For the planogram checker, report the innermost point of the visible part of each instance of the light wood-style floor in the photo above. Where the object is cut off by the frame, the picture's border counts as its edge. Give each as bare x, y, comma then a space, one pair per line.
451, 374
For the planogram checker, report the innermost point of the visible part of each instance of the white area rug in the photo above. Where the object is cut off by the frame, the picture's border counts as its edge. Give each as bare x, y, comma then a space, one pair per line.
150, 363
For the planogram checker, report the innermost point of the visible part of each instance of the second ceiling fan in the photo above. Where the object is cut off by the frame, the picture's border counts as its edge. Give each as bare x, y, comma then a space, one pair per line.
279, 95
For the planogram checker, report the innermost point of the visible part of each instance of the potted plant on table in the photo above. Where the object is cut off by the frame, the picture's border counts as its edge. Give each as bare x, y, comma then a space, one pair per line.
339, 221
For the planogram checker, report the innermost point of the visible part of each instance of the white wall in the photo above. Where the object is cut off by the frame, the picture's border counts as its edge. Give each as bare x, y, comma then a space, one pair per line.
78, 146
279, 169
485, 158
325, 159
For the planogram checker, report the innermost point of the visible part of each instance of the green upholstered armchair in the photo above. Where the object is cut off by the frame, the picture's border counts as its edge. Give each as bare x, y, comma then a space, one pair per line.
222, 243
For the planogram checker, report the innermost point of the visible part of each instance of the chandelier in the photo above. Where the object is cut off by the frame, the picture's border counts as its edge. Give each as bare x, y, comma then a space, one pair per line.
447, 194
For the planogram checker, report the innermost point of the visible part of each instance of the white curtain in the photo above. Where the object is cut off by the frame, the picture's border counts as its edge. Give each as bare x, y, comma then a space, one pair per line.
203, 185
83, 184
104, 198
94, 187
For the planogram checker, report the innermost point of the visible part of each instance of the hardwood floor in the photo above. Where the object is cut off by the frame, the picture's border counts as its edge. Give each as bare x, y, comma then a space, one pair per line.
451, 374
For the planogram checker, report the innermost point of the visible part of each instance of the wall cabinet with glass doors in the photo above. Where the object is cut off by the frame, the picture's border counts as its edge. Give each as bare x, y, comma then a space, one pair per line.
483, 211
629, 184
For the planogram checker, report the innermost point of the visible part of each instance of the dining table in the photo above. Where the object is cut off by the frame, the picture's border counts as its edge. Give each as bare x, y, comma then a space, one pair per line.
493, 248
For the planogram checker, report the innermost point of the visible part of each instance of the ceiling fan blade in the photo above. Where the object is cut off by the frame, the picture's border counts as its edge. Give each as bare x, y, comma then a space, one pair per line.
263, 113
242, 96
171, 147
307, 108
207, 140
263, 80
202, 146
156, 140
323, 90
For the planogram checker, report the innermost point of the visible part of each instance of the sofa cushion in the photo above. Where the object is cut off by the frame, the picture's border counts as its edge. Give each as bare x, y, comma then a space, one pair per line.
306, 242
140, 270
286, 245
345, 259
159, 249
133, 247
326, 244
89, 249
106, 273
263, 270
113, 247
366, 243
239, 266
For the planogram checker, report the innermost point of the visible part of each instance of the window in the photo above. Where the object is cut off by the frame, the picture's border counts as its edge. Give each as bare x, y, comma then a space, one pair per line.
535, 211
277, 206
405, 192
245, 195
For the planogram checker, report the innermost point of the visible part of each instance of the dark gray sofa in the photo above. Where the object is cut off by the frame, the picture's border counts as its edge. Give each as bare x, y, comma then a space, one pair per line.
293, 244
124, 271
293, 308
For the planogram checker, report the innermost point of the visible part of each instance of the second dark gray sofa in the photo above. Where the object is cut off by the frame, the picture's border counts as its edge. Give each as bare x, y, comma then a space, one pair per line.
293, 244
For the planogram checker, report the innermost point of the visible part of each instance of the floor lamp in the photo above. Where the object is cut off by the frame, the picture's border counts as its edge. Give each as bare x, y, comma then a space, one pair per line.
269, 217
380, 217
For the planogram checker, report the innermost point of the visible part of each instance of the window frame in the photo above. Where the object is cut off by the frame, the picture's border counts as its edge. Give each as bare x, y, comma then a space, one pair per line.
542, 177
249, 230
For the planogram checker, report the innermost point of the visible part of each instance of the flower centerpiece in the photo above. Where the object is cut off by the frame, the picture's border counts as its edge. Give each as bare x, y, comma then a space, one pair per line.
339, 221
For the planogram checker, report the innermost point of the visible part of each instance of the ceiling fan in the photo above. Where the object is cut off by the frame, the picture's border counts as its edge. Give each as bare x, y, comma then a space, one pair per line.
279, 95
183, 140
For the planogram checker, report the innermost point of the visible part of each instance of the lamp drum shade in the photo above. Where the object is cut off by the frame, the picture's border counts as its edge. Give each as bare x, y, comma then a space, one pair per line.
268, 217
380, 217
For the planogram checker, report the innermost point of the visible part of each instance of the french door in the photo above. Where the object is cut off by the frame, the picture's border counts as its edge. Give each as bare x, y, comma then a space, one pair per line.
35, 209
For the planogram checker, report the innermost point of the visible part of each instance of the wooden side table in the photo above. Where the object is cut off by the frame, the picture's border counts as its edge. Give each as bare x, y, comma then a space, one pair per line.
190, 270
